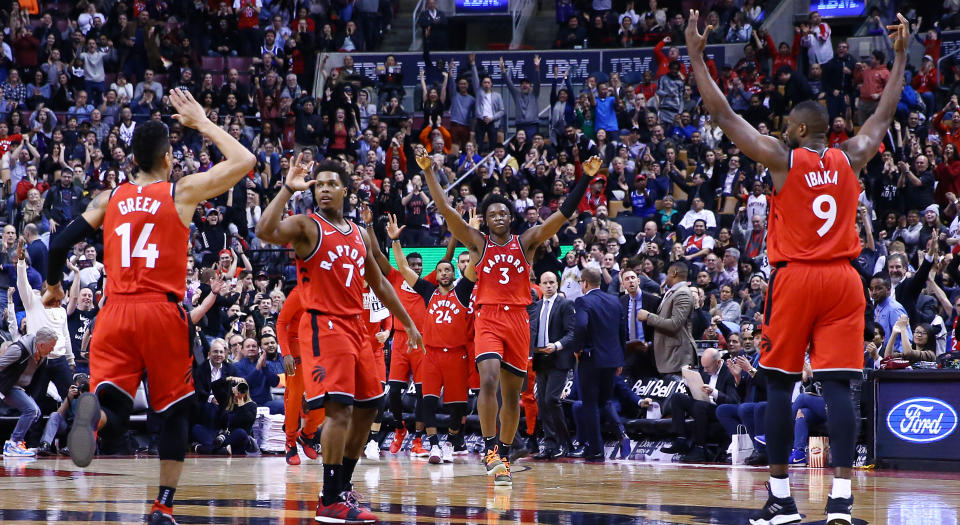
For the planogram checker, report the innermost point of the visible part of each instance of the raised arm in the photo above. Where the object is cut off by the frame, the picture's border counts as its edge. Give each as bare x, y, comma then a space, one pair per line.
222, 176
535, 236
393, 231
764, 149
216, 284
23, 283
470, 237
272, 227
863, 147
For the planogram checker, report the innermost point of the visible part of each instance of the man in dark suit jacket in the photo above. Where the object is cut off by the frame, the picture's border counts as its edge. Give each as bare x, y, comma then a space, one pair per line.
551, 340
601, 328
639, 351
215, 367
721, 389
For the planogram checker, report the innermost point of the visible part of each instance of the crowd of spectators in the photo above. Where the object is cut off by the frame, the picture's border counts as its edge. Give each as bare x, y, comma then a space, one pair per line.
76, 79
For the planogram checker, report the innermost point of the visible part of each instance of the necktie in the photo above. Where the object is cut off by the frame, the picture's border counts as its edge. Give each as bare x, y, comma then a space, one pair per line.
633, 319
544, 320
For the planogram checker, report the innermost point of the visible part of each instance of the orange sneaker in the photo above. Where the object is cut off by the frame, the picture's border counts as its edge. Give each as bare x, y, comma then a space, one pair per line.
504, 479
493, 462
417, 450
398, 436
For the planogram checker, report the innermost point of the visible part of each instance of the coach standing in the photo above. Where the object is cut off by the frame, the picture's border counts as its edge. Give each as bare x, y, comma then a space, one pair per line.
552, 325
597, 313
673, 346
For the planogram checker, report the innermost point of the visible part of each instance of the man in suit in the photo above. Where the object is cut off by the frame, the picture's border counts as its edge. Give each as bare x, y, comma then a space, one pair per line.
212, 369
721, 388
601, 328
551, 339
639, 335
673, 345
490, 109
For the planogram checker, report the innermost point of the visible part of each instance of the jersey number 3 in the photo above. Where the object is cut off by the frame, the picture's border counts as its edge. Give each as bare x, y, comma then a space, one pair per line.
141, 249
828, 213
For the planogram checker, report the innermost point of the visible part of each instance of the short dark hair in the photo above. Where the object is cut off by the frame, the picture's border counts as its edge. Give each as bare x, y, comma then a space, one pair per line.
414, 255
335, 167
680, 268
494, 199
878, 55
151, 141
444, 261
814, 115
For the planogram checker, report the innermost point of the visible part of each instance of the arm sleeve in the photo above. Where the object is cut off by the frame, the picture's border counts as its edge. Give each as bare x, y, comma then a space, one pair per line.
575, 196
77, 230
425, 289
463, 290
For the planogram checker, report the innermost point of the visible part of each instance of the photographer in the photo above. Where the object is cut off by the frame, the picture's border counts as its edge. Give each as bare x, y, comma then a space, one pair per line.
226, 426
253, 368
60, 421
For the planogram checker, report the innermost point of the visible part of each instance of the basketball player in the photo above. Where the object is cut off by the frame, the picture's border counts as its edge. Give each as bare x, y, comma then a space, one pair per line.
502, 326
379, 328
445, 336
142, 325
333, 261
815, 295
403, 364
288, 329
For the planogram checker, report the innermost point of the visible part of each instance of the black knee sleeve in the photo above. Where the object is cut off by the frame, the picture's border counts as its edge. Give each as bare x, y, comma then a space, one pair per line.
396, 402
457, 411
842, 422
419, 410
172, 441
428, 407
117, 406
779, 418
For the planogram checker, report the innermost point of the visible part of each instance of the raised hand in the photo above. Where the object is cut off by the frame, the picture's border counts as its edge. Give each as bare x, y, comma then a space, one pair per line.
901, 34
189, 112
536, 61
296, 177
696, 42
20, 250
592, 166
424, 161
473, 219
366, 215
393, 229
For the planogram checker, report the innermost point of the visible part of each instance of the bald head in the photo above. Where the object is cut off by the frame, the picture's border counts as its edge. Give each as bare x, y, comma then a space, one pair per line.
710, 360
812, 114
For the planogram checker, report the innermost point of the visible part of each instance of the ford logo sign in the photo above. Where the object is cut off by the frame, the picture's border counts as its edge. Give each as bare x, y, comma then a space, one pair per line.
922, 420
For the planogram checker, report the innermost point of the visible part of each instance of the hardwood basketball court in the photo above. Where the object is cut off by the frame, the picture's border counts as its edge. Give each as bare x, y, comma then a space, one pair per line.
265, 490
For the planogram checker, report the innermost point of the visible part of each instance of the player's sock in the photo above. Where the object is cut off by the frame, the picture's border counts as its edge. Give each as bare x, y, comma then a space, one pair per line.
780, 487
841, 488
457, 439
330, 493
434, 440
165, 496
841, 422
347, 475
504, 450
489, 443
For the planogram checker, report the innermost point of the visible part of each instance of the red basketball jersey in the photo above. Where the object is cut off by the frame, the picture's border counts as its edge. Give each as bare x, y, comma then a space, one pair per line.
447, 321
144, 241
331, 277
813, 217
409, 298
503, 274
288, 323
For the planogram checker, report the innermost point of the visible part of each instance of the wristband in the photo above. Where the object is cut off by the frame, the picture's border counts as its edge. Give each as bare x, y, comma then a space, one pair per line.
288, 188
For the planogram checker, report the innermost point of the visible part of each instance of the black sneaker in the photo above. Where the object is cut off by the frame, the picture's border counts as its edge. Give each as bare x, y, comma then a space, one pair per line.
44, 449
679, 446
776, 511
839, 511
219, 441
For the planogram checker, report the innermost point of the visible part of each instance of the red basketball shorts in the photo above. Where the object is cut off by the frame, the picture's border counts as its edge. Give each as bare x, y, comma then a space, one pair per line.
338, 361
446, 368
137, 333
503, 332
816, 307
404, 361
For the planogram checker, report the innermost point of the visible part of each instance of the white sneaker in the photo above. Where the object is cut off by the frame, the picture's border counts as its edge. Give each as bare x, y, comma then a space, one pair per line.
13, 449
447, 450
372, 450
436, 457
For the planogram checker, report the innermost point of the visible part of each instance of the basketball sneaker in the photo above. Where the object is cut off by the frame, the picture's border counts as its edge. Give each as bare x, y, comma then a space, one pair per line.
343, 511
417, 450
398, 436
82, 439
447, 452
839, 510
17, 449
161, 515
776, 511
798, 457
504, 479
436, 455
293, 456
493, 462
372, 450
308, 445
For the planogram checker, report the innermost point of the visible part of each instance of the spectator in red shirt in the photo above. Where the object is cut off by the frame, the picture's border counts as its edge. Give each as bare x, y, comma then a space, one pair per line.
786, 55
663, 60
248, 19
925, 82
840, 131
595, 197
950, 132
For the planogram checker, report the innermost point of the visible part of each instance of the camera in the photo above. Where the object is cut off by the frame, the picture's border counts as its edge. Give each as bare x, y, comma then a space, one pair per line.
82, 382
239, 387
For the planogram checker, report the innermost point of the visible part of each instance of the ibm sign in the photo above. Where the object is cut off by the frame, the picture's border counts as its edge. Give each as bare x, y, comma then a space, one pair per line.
918, 419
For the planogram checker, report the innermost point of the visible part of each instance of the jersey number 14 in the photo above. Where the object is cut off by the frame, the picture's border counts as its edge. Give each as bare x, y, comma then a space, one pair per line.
141, 249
